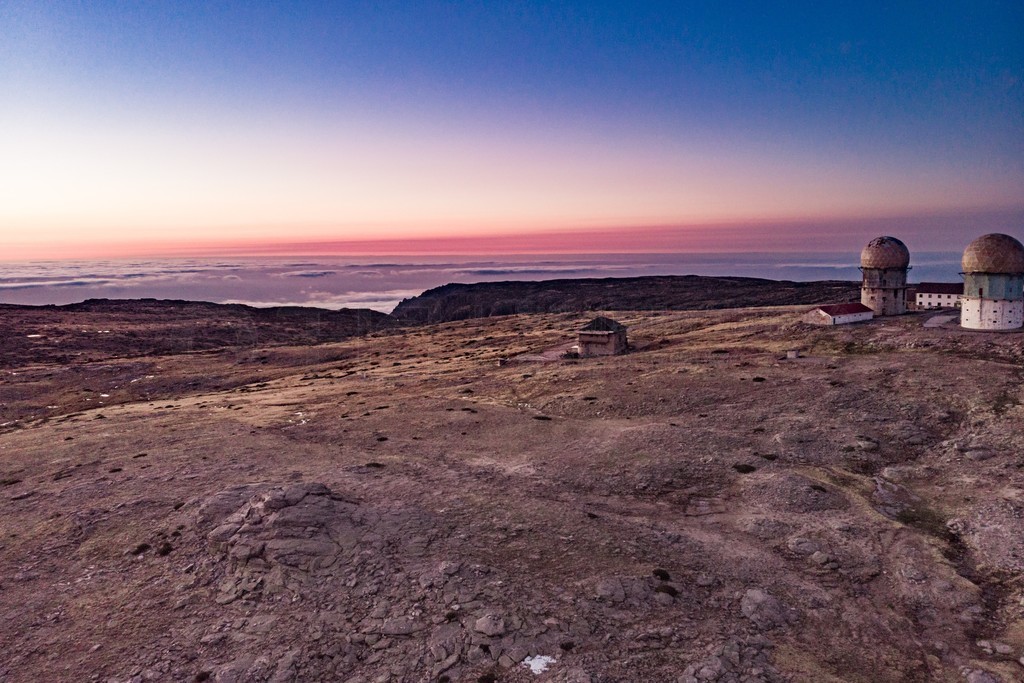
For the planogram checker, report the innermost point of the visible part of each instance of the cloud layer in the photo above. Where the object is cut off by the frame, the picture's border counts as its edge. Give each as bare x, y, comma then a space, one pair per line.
370, 283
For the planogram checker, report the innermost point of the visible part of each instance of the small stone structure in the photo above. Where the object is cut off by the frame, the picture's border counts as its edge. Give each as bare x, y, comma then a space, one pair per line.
602, 337
839, 314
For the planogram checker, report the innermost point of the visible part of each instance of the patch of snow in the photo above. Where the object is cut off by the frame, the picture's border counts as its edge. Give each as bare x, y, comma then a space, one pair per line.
104, 395
538, 664
33, 336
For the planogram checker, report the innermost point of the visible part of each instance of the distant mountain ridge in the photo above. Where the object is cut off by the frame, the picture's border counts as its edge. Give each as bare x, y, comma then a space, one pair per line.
457, 301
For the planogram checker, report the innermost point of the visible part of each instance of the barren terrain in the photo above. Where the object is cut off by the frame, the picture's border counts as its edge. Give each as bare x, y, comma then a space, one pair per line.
400, 507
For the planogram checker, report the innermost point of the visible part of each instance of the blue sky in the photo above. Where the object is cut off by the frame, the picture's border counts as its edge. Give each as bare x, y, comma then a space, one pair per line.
262, 121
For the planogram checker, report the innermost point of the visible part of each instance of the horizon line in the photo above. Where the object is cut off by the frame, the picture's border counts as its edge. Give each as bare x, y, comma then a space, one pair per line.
725, 237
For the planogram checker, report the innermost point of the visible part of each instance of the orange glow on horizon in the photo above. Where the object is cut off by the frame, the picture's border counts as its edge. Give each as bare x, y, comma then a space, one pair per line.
100, 187
766, 235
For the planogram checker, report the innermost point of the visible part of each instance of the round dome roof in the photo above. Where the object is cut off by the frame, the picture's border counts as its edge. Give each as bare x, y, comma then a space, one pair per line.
994, 253
885, 253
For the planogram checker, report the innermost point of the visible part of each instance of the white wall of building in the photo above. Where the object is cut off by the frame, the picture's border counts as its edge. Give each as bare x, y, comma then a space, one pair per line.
817, 316
991, 314
852, 318
937, 300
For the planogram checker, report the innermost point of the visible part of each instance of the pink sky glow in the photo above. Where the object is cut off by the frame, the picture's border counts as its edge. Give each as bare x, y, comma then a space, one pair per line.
934, 231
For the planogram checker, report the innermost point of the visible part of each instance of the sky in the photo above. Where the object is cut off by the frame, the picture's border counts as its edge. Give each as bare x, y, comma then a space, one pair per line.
158, 128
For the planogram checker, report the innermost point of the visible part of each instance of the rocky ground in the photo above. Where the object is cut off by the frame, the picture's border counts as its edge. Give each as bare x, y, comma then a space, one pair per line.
100, 329
402, 507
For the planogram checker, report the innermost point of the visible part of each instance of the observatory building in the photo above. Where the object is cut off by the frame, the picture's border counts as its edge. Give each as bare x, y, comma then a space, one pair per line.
993, 284
884, 263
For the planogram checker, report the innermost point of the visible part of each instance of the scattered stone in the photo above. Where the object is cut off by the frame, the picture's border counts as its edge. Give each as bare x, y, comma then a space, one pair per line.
735, 660
818, 557
763, 609
400, 626
979, 454
224, 532
802, 546
214, 509
286, 668
490, 625
611, 590
663, 599
867, 444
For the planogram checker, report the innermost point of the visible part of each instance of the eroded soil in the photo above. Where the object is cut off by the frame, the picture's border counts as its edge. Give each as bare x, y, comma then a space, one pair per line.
400, 507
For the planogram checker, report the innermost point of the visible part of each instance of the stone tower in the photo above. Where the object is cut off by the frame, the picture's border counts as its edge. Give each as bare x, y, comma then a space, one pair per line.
884, 264
993, 284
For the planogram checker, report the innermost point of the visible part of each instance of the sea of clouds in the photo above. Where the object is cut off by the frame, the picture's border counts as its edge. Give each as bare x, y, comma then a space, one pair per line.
380, 283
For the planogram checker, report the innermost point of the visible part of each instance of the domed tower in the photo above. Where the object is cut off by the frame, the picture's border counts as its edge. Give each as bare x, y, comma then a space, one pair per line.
993, 284
884, 263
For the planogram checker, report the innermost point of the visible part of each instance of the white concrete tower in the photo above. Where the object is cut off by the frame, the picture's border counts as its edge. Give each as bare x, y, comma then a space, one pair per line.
884, 264
993, 284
